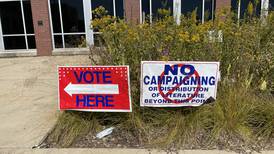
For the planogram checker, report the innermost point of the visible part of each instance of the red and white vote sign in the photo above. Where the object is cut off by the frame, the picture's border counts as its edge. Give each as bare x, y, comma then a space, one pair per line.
94, 88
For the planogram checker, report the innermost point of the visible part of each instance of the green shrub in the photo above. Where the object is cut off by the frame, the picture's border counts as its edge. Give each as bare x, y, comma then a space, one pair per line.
243, 110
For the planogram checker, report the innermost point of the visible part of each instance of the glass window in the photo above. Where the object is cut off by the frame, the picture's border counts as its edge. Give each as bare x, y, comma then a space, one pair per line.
209, 9
234, 5
73, 16
107, 4
271, 5
11, 17
75, 41
156, 6
58, 41
161, 4
145, 10
31, 42
55, 16
119, 7
17, 33
187, 7
244, 7
28, 17
69, 20
14, 42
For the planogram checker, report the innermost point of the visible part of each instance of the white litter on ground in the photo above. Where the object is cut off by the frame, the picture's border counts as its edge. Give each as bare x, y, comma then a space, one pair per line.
104, 133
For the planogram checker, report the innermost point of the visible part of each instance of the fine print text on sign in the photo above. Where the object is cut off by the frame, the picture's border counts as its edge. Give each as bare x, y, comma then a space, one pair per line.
94, 88
178, 83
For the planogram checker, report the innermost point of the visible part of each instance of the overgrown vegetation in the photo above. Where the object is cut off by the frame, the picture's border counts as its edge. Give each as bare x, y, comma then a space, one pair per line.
243, 114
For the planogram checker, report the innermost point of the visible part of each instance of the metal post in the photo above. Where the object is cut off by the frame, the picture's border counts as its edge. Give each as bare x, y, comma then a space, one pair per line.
114, 8
239, 9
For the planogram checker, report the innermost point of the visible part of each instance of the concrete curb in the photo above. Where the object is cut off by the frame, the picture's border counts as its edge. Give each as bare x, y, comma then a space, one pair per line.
115, 151
18, 53
69, 52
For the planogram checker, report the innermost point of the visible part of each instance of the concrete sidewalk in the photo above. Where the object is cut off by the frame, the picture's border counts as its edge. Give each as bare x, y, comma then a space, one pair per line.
116, 151
28, 98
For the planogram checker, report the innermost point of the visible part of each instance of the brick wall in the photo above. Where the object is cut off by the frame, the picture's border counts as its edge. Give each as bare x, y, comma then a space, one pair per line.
132, 11
223, 4
40, 13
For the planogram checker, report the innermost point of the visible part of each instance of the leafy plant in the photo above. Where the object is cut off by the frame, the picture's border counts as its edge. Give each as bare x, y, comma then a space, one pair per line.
242, 112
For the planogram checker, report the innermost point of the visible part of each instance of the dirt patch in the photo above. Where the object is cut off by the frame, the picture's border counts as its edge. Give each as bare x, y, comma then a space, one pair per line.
121, 138
118, 139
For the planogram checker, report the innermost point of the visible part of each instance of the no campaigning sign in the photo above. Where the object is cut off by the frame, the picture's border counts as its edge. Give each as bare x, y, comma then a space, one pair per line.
94, 88
178, 83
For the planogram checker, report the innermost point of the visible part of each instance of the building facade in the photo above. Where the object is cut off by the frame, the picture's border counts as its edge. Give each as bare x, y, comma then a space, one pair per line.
47, 27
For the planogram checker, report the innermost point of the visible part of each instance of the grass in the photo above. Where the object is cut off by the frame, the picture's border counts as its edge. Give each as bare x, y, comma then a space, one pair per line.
236, 116
70, 125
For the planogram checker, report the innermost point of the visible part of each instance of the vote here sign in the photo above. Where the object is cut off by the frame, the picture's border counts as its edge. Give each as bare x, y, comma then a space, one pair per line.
94, 88
178, 83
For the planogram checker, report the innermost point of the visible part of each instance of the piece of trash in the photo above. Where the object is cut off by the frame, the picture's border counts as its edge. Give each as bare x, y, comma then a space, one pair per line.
36, 146
104, 133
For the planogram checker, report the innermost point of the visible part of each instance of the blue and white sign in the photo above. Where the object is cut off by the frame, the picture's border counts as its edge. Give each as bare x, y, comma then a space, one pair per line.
178, 83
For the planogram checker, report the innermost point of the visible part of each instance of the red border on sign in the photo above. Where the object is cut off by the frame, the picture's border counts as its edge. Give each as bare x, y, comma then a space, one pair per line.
98, 110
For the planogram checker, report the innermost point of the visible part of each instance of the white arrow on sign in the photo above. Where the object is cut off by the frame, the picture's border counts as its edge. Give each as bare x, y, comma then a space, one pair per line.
92, 89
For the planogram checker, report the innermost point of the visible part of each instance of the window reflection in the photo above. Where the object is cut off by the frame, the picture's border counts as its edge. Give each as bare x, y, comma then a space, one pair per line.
209, 9
73, 16
145, 10
31, 42
119, 7
28, 17
256, 4
58, 41
75, 41
271, 5
107, 4
55, 16
14, 42
14, 35
161, 4
187, 7
11, 17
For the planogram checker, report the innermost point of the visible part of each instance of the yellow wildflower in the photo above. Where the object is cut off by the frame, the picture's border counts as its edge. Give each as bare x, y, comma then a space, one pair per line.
184, 37
195, 38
